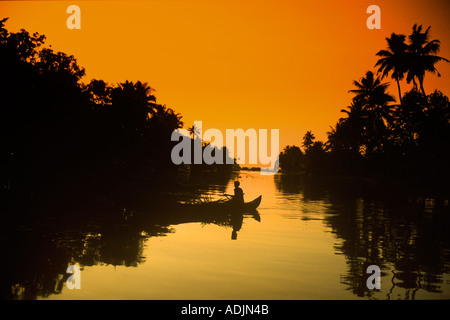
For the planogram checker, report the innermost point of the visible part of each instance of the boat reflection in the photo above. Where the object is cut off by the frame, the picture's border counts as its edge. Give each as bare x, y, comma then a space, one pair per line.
35, 256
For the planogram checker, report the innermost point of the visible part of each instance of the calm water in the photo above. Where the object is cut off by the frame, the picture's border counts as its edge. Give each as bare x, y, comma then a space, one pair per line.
310, 239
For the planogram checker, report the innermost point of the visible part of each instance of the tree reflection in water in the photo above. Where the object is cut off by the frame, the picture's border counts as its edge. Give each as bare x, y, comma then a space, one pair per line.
404, 232
36, 250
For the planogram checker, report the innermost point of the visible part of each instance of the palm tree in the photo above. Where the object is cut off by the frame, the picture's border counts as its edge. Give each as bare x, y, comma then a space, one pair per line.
193, 131
133, 105
337, 137
353, 125
355, 112
371, 92
423, 56
166, 117
372, 97
394, 60
308, 140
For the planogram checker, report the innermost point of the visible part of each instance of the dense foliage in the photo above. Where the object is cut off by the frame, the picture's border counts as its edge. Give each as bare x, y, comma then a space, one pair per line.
379, 137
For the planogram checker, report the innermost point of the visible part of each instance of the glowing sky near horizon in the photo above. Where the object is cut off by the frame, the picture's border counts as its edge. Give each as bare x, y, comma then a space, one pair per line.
281, 64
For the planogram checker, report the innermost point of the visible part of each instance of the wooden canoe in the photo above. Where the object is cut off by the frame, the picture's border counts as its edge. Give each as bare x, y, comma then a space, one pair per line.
229, 205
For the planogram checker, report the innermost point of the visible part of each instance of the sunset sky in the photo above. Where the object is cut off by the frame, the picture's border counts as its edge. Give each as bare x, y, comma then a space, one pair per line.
260, 64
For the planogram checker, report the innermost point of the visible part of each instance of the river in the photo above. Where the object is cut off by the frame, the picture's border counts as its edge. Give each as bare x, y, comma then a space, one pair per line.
310, 239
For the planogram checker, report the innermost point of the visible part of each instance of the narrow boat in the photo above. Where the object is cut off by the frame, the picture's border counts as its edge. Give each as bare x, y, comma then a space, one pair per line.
252, 205
228, 205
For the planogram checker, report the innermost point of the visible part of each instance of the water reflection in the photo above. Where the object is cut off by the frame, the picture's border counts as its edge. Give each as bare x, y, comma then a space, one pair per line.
405, 232
36, 252
35, 259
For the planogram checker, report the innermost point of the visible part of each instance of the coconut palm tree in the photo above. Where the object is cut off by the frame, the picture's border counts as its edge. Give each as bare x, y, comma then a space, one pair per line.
308, 140
371, 92
394, 59
371, 95
132, 105
354, 124
337, 137
423, 56
194, 131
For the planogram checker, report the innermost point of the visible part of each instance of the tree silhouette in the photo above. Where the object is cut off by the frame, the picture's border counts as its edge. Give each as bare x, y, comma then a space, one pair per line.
308, 140
394, 60
372, 95
423, 56
193, 131
371, 92
353, 124
54, 128
99, 91
132, 104
291, 159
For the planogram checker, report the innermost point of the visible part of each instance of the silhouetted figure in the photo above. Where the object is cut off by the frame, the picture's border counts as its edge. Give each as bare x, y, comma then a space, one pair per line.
238, 193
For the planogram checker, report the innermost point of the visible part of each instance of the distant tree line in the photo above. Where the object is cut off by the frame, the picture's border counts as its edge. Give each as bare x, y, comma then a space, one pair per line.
377, 136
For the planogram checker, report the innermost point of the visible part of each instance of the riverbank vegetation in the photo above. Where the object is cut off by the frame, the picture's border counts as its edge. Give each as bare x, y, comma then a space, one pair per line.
60, 135
382, 136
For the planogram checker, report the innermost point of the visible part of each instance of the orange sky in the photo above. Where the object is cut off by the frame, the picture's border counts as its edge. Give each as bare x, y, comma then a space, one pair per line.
281, 64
